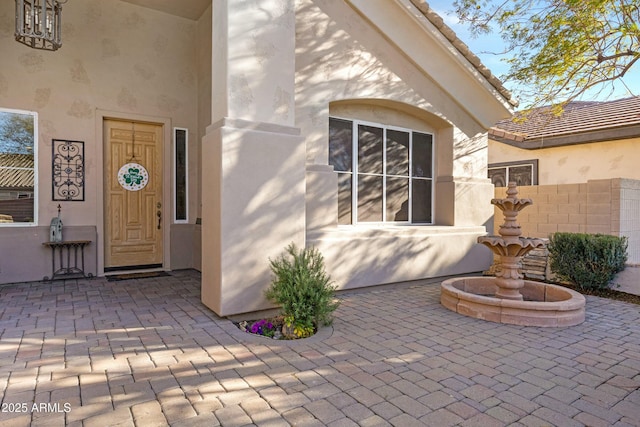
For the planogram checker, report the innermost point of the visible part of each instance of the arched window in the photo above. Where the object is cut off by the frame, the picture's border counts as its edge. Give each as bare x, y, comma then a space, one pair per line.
385, 173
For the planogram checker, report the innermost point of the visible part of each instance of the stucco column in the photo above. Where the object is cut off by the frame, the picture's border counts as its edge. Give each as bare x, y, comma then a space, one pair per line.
253, 180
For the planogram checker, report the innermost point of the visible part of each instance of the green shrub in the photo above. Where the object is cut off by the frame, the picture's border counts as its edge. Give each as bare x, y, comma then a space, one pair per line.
590, 261
302, 288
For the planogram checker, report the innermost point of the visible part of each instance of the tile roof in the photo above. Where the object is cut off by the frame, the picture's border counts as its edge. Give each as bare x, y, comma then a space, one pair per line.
580, 122
16, 171
437, 21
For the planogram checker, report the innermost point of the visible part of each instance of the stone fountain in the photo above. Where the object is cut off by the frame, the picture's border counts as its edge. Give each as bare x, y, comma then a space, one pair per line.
508, 298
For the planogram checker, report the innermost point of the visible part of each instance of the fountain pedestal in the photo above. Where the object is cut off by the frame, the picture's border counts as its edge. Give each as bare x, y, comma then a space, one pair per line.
507, 298
509, 280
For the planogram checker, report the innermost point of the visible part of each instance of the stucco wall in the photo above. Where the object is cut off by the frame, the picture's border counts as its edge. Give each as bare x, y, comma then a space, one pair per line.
204, 99
339, 56
269, 120
576, 163
116, 57
253, 184
607, 206
344, 67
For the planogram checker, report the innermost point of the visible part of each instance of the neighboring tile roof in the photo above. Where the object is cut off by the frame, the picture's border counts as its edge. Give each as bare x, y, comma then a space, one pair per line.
16, 178
450, 35
579, 123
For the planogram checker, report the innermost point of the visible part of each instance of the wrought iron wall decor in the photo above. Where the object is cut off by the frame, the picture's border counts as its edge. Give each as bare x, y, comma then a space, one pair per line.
68, 170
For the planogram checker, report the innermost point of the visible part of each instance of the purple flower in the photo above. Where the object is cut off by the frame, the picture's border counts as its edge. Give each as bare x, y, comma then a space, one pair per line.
261, 327
257, 327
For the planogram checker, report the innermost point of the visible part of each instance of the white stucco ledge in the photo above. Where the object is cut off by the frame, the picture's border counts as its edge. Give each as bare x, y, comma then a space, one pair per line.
253, 126
323, 333
350, 232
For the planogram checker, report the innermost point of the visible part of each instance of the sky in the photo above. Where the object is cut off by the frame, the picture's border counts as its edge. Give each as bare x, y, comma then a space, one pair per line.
483, 45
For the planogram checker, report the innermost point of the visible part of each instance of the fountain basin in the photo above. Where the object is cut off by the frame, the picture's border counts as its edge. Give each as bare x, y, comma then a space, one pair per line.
544, 304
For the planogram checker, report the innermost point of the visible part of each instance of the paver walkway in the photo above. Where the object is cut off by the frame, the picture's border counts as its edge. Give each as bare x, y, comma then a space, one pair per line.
148, 353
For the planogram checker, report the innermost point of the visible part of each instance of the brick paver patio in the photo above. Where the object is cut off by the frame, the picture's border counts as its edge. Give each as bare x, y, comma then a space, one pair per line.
148, 353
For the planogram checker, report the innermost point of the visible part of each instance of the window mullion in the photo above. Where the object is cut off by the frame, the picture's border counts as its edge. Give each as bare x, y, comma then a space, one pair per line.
384, 174
409, 196
354, 173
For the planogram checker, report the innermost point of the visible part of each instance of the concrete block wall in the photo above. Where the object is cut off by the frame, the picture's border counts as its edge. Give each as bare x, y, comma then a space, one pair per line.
605, 206
626, 215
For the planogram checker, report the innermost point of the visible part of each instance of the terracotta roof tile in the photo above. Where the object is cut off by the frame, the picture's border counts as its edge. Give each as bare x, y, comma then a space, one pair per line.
16, 171
577, 118
450, 35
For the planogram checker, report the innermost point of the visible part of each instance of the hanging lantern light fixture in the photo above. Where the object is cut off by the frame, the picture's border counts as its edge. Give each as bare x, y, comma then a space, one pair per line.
38, 23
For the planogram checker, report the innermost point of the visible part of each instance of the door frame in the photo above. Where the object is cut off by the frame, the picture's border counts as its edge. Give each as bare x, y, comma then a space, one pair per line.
167, 188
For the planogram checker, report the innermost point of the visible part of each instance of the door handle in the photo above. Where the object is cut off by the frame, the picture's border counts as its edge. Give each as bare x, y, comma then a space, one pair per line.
159, 214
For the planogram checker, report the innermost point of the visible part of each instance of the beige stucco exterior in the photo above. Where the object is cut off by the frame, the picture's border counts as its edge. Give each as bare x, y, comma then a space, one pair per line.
117, 60
255, 86
582, 188
400, 87
575, 164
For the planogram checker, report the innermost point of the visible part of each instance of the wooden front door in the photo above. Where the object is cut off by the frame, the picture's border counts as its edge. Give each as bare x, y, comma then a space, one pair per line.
133, 210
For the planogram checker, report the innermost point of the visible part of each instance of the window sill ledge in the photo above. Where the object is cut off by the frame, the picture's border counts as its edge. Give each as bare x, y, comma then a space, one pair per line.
388, 230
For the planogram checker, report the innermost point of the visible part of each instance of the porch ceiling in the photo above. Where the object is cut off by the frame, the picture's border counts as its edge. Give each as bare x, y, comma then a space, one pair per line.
191, 9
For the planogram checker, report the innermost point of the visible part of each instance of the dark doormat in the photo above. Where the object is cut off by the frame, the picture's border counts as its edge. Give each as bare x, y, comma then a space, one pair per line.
130, 276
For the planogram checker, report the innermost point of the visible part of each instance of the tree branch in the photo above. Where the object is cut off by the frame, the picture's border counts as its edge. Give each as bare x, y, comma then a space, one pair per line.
601, 58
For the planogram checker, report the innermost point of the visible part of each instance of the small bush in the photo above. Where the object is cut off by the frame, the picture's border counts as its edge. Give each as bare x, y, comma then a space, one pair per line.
589, 261
303, 289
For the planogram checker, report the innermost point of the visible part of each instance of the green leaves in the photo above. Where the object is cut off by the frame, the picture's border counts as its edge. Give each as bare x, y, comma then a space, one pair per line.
302, 287
133, 176
560, 49
590, 261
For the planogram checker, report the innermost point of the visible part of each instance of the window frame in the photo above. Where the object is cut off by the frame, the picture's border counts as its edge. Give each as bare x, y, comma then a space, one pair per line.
354, 173
35, 197
176, 220
507, 165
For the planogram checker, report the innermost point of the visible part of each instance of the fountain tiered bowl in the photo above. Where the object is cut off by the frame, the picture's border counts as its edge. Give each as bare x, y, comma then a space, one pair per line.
508, 298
